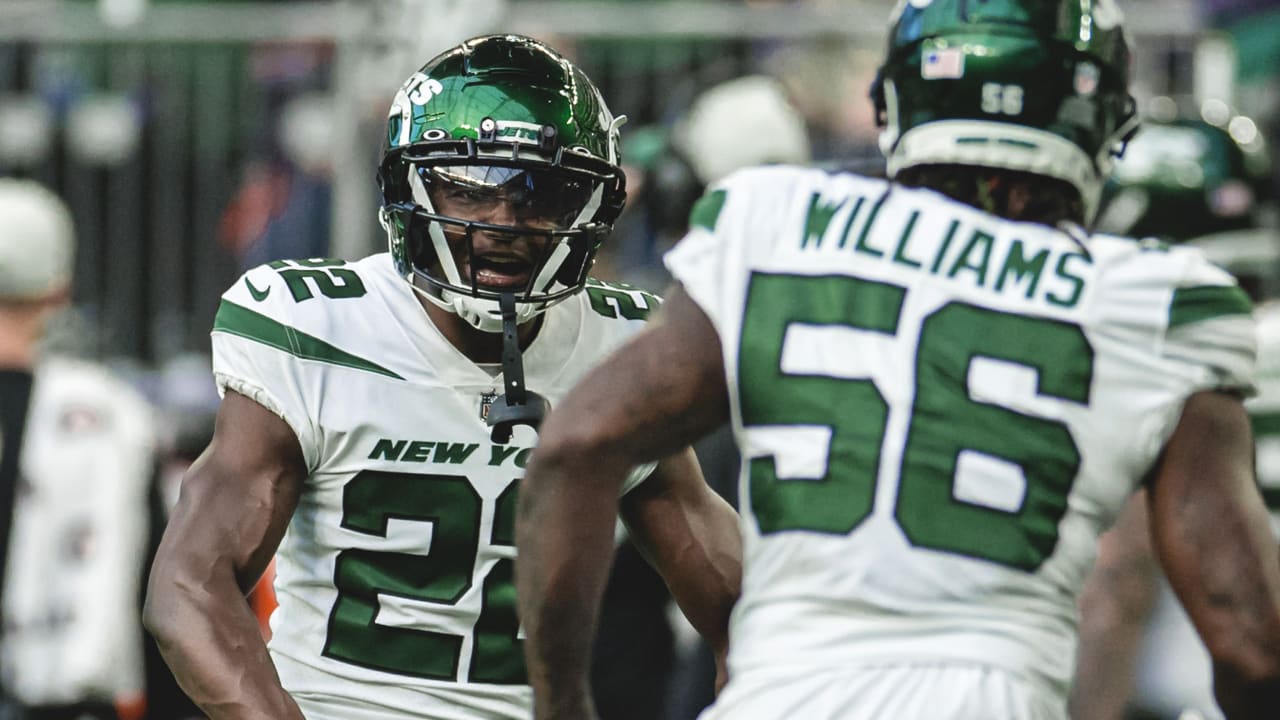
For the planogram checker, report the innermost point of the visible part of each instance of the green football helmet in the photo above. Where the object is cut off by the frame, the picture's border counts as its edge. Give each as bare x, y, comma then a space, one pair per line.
499, 117
1184, 177
1039, 86
1185, 180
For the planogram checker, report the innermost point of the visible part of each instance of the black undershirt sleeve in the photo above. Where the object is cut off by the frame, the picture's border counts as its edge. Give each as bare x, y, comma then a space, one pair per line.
15, 398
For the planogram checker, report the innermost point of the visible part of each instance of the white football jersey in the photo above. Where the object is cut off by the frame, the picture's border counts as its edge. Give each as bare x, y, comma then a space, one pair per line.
394, 579
939, 412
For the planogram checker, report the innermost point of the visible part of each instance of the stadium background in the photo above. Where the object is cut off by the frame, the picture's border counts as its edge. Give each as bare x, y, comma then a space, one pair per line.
183, 132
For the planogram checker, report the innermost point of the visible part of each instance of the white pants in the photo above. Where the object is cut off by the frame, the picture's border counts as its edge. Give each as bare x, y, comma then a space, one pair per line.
893, 692
1174, 672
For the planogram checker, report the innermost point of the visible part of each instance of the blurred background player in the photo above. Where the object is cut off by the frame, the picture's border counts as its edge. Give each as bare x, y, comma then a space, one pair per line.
1185, 181
671, 164
78, 462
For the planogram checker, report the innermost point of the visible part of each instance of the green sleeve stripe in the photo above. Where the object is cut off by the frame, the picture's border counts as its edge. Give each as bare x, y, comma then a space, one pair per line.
236, 320
1193, 304
1265, 423
706, 212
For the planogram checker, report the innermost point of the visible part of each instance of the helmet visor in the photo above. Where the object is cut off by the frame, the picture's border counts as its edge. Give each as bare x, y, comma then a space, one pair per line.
541, 198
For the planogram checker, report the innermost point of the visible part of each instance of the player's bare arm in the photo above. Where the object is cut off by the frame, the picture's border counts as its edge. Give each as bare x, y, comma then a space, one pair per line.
1210, 531
690, 535
235, 503
655, 395
1115, 603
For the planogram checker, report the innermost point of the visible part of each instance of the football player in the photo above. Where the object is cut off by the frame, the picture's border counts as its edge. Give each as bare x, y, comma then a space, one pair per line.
1182, 180
944, 390
354, 433
78, 448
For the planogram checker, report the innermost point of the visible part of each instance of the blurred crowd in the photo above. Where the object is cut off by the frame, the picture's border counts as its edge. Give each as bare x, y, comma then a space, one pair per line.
260, 184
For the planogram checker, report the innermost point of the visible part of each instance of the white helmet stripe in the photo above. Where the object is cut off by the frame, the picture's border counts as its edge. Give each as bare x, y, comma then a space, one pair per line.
589, 210
438, 241
545, 277
612, 137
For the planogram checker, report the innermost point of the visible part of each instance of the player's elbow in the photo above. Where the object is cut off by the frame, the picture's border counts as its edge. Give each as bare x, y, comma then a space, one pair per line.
1237, 615
1252, 662
166, 599
159, 607
1247, 665
1247, 685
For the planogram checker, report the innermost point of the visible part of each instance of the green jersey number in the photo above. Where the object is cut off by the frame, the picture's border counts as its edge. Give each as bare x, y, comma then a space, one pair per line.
945, 420
328, 276
614, 299
452, 506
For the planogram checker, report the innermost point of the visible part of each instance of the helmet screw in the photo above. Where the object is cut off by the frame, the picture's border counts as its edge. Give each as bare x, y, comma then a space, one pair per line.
547, 137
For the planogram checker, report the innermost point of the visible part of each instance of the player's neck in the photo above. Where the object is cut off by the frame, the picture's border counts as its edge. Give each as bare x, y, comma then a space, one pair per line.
1011, 194
478, 346
21, 327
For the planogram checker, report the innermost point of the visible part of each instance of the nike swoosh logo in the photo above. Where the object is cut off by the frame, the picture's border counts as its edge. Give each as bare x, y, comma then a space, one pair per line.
257, 294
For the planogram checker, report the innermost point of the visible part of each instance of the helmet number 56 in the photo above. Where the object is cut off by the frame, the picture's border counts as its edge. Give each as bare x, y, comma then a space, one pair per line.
998, 99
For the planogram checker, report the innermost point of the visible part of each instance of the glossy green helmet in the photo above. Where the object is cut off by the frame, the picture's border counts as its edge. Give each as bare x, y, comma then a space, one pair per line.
1186, 180
499, 114
1039, 86
1184, 177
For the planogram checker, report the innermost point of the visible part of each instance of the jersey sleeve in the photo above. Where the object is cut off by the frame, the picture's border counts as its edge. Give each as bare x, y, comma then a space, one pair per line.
251, 340
1211, 333
694, 261
1198, 326
1207, 342
731, 229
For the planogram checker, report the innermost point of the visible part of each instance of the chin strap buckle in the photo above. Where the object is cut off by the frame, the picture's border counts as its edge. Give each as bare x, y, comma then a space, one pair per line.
517, 405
